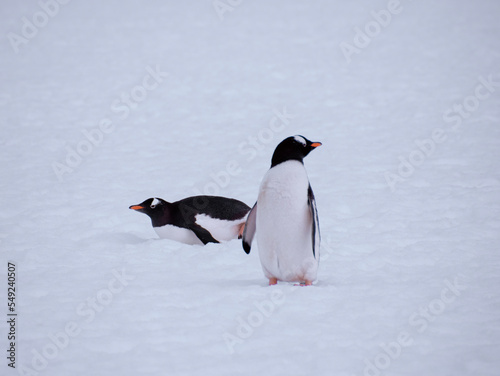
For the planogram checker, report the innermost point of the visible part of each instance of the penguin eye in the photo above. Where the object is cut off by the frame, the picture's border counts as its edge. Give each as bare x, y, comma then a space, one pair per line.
154, 202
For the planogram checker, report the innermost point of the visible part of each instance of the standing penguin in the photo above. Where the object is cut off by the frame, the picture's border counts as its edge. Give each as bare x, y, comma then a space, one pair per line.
285, 217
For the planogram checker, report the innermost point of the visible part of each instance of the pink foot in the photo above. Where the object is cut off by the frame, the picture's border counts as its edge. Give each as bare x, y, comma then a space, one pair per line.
273, 281
240, 232
305, 283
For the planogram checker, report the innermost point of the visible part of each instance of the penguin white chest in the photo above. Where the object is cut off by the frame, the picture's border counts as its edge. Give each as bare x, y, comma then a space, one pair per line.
220, 229
284, 224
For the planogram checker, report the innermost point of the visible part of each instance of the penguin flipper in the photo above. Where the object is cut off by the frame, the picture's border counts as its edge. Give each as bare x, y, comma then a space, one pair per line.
316, 237
203, 234
249, 231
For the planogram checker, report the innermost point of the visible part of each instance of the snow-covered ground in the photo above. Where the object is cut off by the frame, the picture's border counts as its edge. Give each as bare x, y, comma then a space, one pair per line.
181, 98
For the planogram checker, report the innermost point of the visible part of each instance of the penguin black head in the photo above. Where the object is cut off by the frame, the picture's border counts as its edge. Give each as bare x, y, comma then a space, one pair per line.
155, 208
293, 148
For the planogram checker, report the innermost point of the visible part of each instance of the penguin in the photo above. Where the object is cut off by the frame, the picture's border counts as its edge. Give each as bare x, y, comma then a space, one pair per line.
196, 220
285, 217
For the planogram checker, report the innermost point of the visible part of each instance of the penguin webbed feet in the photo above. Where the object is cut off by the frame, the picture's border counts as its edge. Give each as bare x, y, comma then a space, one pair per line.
305, 283
273, 281
241, 230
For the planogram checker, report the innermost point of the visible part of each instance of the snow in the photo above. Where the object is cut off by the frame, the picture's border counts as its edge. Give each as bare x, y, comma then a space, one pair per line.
179, 99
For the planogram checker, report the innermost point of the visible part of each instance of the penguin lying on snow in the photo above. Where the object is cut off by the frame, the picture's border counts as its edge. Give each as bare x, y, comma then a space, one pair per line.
197, 219
285, 217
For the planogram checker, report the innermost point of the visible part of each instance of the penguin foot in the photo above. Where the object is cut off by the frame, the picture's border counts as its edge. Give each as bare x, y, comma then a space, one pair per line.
273, 281
305, 283
240, 232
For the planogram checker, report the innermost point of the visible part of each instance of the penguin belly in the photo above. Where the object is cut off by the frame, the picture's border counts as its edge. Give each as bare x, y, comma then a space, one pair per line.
284, 224
178, 234
221, 229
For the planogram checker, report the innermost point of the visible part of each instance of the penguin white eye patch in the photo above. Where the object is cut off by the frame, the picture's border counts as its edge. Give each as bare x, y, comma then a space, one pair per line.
300, 139
155, 202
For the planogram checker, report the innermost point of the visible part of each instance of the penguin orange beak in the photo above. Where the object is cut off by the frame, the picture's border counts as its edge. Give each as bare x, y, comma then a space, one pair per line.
316, 144
136, 207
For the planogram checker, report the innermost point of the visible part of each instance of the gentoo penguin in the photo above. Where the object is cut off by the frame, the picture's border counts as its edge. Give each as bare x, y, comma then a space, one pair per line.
197, 219
285, 217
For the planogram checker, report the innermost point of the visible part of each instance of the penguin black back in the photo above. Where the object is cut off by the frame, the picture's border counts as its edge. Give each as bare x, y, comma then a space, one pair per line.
214, 206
